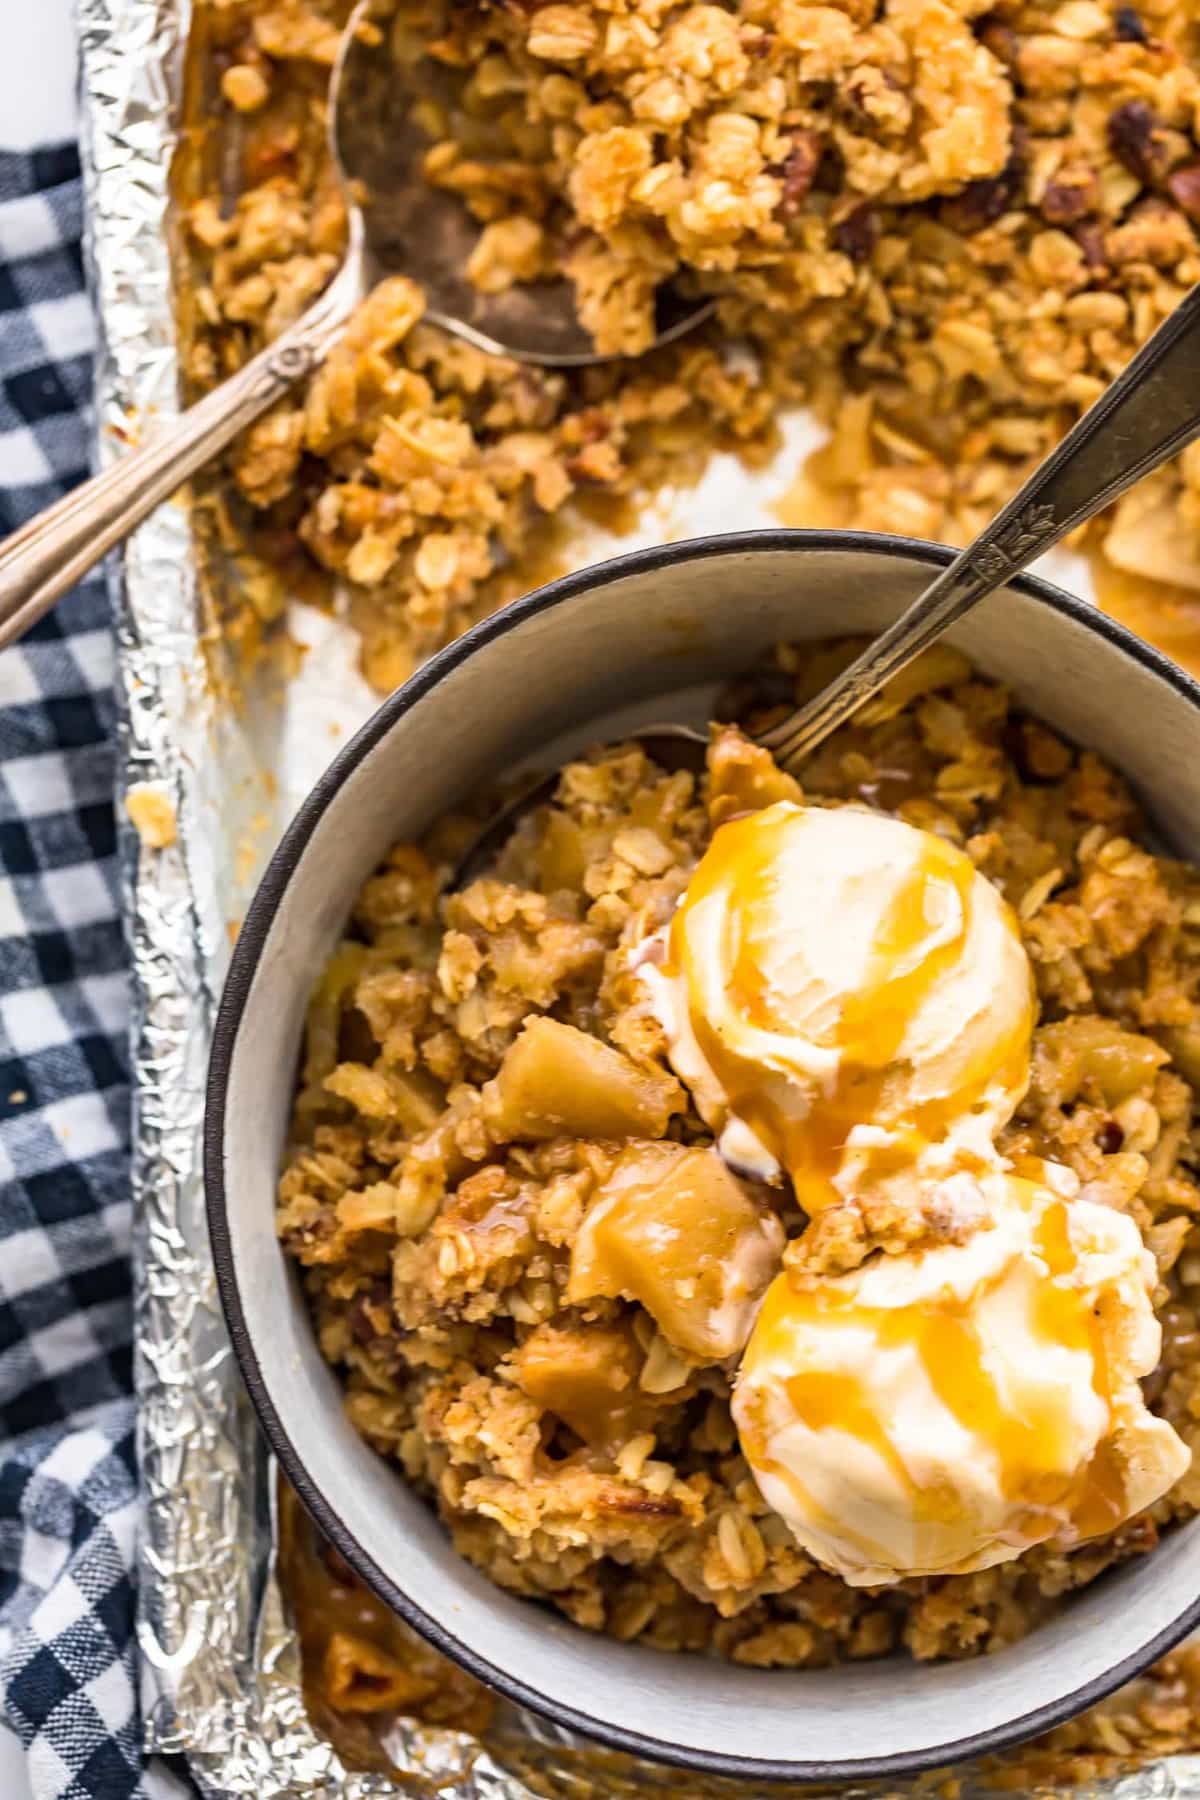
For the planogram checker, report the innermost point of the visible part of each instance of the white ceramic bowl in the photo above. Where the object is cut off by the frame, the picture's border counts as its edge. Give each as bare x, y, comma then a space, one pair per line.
632, 640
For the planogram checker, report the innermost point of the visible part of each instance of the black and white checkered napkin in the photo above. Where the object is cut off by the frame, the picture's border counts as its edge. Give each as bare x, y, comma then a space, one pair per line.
67, 1469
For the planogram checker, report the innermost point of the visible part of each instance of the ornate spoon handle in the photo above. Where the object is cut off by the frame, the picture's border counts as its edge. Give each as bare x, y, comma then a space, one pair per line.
1150, 411
47, 556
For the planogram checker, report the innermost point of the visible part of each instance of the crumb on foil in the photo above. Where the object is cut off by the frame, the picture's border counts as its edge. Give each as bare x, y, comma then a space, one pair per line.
152, 814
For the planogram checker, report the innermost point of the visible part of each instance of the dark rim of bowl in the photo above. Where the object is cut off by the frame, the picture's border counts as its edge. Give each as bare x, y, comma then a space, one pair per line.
243, 967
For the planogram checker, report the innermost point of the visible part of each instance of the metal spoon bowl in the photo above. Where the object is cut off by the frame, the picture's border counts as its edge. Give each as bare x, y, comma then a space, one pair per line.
396, 224
670, 746
426, 232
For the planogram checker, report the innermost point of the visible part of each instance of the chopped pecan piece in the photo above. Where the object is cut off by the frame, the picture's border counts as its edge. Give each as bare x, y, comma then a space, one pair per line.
1135, 138
1090, 238
1129, 27
858, 233
799, 168
982, 202
1066, 202
1183, 185
999, 38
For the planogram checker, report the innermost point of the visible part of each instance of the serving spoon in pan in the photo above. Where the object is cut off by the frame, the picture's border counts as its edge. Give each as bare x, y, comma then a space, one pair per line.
397, 224
1148, 413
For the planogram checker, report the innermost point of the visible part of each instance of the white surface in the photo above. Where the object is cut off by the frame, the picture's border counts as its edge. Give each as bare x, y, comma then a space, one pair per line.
14, 1783
37, 78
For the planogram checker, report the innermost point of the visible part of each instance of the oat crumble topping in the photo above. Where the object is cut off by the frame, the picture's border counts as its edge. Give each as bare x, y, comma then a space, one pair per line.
944, 225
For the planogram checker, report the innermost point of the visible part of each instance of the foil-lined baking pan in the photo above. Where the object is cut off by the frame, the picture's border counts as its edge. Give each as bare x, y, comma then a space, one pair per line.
220, 1659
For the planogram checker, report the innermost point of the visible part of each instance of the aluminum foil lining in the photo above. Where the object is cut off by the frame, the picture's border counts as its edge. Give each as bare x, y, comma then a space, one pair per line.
220, 1660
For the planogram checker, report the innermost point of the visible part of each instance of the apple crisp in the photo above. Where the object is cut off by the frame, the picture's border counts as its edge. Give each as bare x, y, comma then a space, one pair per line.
487, 1130
943, 224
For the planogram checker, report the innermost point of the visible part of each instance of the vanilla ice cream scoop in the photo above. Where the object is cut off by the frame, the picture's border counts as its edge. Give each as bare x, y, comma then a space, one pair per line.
842, 993
938, 1412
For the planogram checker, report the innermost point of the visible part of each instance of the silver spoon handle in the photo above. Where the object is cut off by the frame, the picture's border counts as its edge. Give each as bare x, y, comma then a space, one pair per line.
1150, 411
47, 556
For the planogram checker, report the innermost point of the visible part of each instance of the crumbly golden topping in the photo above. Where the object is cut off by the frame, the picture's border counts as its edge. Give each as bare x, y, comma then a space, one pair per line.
946, 226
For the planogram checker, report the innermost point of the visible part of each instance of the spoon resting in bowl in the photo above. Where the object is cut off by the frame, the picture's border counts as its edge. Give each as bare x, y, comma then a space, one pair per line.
1141, 419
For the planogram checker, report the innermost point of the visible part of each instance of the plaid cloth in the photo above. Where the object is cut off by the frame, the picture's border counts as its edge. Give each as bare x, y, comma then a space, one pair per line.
67, 1468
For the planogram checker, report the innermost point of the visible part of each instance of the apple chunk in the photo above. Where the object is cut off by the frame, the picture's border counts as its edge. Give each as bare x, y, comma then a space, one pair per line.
557, 1081
674, 1229
588, 1376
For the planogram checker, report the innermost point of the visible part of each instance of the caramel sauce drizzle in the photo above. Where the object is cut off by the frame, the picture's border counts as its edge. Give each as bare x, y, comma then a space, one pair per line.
911, 954
1024, 1430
